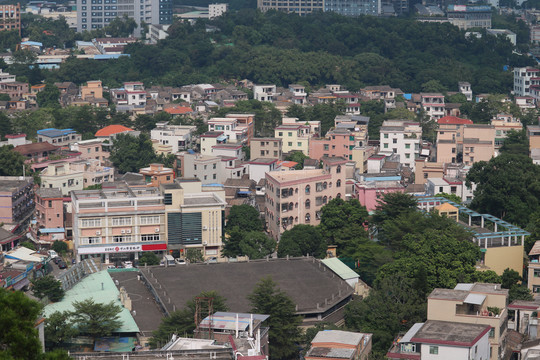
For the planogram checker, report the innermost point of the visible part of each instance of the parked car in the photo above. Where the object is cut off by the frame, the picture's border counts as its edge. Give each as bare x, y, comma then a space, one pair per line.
57, 260
127, 265
62, 264
180, 261
110, 266
212, 260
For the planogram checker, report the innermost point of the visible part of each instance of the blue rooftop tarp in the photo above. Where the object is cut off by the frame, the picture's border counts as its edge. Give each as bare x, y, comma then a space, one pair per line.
51, 230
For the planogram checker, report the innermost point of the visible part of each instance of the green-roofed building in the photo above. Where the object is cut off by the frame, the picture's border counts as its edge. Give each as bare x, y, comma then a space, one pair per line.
342, 270
101, 288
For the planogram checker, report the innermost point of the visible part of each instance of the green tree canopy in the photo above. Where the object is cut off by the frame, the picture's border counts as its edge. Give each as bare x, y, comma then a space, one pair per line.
508, 187
48, 97
58, 329
11, 162
302, 240
245, 217
516, 143
149, 258
60, 247
18, 336
299, 157
48, 286
131, 153
268, 299
96, 319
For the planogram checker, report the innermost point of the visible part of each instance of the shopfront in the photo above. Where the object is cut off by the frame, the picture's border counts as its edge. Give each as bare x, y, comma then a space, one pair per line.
115, 254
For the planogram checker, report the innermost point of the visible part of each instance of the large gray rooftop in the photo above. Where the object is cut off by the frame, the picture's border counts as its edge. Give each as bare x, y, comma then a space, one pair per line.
450, 333
313, 287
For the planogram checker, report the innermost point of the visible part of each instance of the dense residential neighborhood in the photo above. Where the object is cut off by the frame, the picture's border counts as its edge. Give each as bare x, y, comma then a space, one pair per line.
256, 180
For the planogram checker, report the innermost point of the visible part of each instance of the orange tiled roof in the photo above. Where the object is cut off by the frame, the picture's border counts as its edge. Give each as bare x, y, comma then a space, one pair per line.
454, 120
178, 110
112, 129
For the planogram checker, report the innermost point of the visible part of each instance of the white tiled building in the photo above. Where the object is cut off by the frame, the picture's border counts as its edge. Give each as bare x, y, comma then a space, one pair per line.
401, 137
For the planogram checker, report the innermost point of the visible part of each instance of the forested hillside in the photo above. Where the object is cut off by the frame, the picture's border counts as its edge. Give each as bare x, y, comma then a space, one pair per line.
322, 48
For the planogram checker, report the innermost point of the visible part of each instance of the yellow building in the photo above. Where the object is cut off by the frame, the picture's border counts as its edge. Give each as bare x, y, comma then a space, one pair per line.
448, 210
474, 304
294, 137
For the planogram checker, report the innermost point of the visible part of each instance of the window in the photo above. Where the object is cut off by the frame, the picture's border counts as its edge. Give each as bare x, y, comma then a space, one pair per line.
50, 203
325, 146
308, 204
308, 189
290, 143
299, 144
433, 350
308, 217
91, 223
150, 237
90, 240
386, 146
338, 183
121, 238
119, 221
407, 156
394, 141
407, 146
149, 219
213, 166
280, 133
338, 169
167, 199
386, 136
290, 134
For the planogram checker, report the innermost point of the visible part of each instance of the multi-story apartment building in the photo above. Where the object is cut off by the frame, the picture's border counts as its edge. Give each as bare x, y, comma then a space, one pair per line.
299, 94
264, 92
94, 149
157, 174
77, 175
297, 7
296, 197
270, 148
116, 224
354, 7
179, 137
478, 143
504, 123
17, 201
216, 10
433, 105
533, 134
231, 151
97, 14
465, 89
401, 137
195, 218
10, 18
230, 127
370, 189
314, 125
14, 89
245, 120
210, 139
523, 80
450, 139
476, 303
469, 16
533, 269
337, 142
58, 137
294, 137
208, 169
49, 214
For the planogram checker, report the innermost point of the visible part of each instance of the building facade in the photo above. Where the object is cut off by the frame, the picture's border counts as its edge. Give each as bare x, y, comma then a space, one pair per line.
354, 7
17, 201
179, 137
49, 214
296, 197
10, 19
265, 148
58, 137
403, 138
294, 137
469, 16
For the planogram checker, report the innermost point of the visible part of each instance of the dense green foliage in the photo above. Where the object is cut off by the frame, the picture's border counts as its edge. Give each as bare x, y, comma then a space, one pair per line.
298, 157
302, 240
59, 329
149, 258
131, 153
244, 217
508, 187
11, 162
284, 333
18, 337
48, 286
60, 247
181, 322
325, 113
321, 48
95, 319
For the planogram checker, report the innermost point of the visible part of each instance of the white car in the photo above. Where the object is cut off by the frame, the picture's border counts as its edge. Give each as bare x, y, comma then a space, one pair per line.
128, 265
180, 261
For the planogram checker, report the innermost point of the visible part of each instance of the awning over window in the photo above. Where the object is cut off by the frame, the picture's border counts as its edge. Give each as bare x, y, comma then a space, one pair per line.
475, 299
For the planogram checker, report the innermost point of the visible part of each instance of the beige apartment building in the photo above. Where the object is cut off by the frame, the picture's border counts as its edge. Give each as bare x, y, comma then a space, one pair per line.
461, 141
503, 124
296, 197
427, 170
269, 148
476, 303
122, 222
294, 137
92, 149
533, 269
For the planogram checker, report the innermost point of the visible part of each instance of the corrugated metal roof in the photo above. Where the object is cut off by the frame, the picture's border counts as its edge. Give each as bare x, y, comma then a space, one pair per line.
338, 337
463, 286
340, 268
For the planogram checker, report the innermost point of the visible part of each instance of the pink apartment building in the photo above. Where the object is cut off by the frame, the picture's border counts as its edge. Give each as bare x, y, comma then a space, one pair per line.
17, 204
92, 149
373, 188
450, 138
296, 197
50, 214
337, 142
